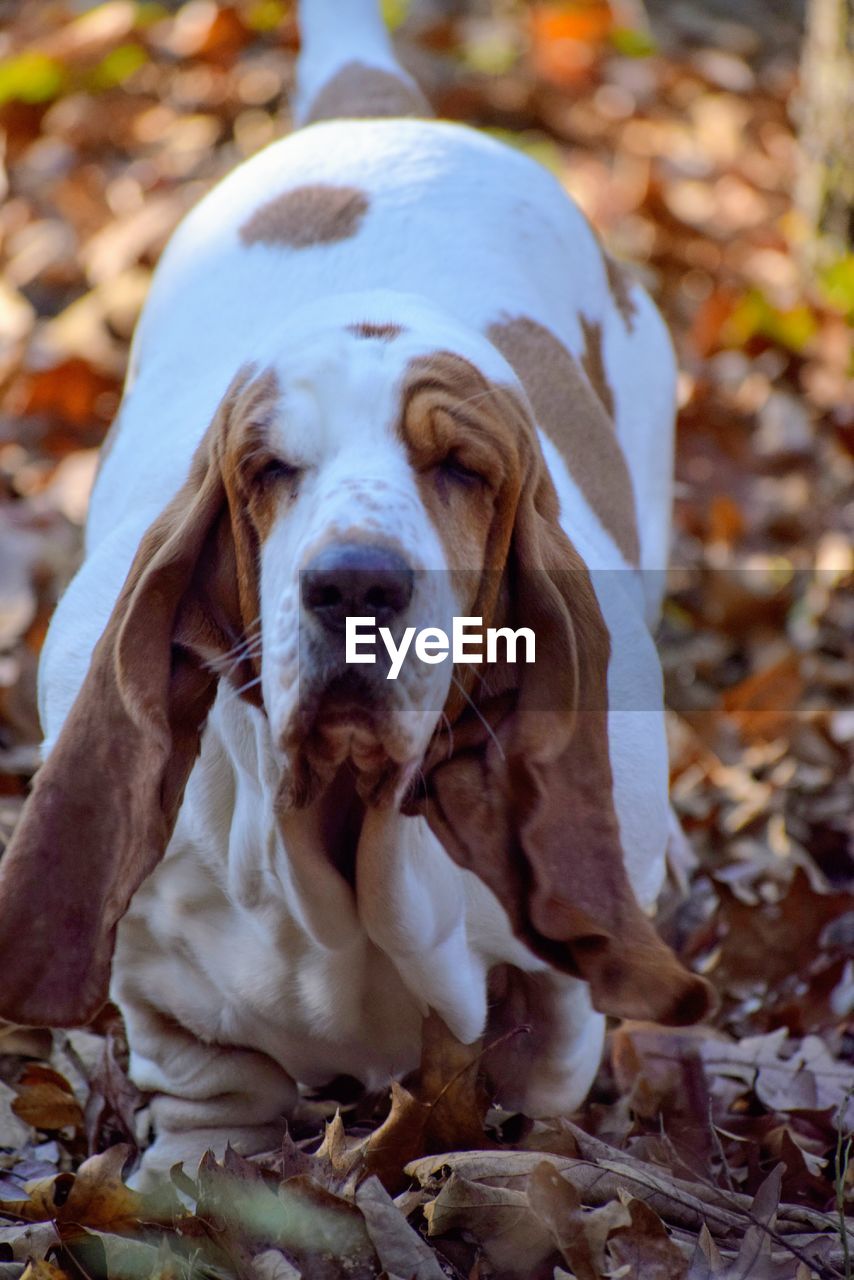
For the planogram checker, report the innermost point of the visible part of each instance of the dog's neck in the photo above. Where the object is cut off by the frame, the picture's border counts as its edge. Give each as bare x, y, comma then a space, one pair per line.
340, 814
309, 854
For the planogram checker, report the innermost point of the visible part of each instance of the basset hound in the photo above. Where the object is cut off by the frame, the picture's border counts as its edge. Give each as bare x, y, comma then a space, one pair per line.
385, 370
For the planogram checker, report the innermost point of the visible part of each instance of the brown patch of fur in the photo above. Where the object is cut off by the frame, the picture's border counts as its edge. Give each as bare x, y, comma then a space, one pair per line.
320, 213
593, 364
449, 407
254, 498
571, 414
359, 91
619, 285
384, 332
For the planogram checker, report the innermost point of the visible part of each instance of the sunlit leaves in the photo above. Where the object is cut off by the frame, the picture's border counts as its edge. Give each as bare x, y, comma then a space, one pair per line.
30, 77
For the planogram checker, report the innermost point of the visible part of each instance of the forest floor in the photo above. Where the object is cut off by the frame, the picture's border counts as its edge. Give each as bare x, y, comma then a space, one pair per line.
720, 1151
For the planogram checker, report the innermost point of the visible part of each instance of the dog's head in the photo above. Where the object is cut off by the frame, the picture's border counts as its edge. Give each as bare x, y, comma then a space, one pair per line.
380, 477
367, 472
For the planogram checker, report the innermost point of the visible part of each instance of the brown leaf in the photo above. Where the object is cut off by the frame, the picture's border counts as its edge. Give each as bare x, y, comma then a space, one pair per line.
70, 391
499, 1166
41, 1270
755, 1260
313, 1220
94, 1197
660, 1067
603, 1173
803, 1182
45, 1106
342, 1155
760, 1256
99, 1198
399, 1248
448, 1083
707, 1261
764, 705
46, 1100
580, 1234
501, 1219
645, 1247
774, 942
26, 1042
399, 1139
444, 1111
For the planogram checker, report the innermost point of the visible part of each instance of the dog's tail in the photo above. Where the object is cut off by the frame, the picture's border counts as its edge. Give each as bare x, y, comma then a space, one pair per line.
347, 67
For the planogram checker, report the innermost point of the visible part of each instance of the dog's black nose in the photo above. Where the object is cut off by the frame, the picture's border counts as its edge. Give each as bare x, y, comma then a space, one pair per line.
356, 580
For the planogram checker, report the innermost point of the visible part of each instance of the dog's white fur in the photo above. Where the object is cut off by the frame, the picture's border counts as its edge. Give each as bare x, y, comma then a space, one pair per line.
247, 965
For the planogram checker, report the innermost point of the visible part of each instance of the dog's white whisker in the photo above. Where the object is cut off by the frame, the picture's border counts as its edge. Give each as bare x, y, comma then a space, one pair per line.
476, 709
244, 688
250, 650
246, 639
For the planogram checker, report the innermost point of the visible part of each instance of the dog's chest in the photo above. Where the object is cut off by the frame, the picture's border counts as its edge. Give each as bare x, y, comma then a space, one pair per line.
271, 953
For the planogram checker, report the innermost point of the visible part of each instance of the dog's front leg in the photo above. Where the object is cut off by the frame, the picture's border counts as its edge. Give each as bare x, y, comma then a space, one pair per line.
204, 1095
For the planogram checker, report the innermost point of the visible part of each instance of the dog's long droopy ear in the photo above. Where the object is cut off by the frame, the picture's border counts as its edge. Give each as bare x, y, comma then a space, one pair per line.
104, 803
526, 800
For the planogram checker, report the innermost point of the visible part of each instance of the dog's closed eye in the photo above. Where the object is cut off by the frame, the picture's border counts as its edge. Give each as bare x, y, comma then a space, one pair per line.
453, 468
278, 471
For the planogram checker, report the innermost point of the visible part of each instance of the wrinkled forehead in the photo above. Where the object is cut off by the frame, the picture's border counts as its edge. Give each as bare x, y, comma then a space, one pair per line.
343, 364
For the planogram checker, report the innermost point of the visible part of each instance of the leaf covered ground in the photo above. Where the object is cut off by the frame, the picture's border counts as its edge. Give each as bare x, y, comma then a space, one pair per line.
715, 1153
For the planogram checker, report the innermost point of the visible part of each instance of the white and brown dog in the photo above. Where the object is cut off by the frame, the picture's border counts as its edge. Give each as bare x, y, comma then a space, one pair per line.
385, 369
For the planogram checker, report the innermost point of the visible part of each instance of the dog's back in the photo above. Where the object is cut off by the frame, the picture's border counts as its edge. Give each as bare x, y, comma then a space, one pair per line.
363, 201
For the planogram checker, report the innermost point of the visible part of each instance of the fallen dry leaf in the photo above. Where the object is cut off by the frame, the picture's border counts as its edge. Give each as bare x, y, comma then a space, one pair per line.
41, 1270
580, 1234
399, 1248
644, 1247
444, 1109
501, 1219
46, 1100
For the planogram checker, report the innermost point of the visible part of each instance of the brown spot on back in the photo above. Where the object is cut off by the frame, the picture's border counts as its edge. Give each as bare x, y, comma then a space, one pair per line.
593, 364
384, 332
619, 285
359, 92
574, 418
318, 214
